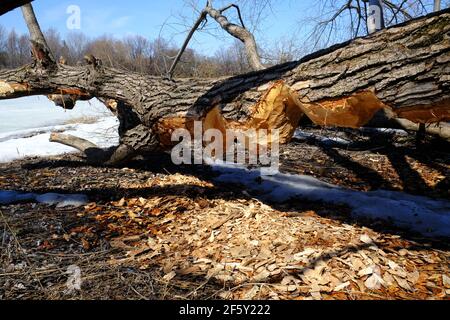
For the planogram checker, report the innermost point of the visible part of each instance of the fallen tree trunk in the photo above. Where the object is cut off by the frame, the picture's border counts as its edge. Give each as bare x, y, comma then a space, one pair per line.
405, 69
8, 5
93, 153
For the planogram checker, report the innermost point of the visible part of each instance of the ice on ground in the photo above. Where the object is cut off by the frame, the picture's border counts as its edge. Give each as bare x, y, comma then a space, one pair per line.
60, 200
8, 197
39, 111
26, 125
301, 135
35, 142
425, 215
63, 200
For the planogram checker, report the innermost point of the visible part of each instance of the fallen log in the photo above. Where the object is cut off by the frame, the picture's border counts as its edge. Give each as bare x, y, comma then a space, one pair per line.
387, 119
8, 5
405, 69
93, 153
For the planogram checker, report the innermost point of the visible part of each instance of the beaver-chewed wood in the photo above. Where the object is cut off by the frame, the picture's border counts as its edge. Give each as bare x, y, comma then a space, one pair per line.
405, 69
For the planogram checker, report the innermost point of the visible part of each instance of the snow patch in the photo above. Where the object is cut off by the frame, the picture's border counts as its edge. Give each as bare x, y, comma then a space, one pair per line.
425, 215
60, 200
35, 142
39, 111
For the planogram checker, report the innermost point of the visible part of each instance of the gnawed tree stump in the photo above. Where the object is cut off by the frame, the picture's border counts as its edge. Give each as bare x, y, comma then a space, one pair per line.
405, 69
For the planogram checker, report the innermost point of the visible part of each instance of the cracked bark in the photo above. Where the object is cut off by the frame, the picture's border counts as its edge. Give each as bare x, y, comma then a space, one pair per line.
8, 5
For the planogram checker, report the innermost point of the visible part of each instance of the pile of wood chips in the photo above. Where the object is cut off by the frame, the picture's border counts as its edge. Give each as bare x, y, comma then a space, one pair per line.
258, 252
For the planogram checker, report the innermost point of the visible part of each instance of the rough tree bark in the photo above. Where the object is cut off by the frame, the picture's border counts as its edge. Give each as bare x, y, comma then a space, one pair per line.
8, 5
405, 69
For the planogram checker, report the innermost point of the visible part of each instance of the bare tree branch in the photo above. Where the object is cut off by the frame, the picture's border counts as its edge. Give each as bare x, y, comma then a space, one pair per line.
239, 32
437, 5
197, 24
40, 48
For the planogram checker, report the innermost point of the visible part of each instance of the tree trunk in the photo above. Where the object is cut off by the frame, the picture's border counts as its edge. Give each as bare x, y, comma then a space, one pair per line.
405, 69
437, 5
386, 119
375, 17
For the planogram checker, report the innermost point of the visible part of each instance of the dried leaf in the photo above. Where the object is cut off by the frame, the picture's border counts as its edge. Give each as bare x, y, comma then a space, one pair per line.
393, 265
262, 276
315, 292
86, 244
288, 280
414, 277
389, 279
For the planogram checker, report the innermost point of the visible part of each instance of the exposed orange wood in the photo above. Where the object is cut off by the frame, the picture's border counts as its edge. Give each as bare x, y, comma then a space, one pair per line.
438, 112
353, 112
279, 108
70, 91
11, 89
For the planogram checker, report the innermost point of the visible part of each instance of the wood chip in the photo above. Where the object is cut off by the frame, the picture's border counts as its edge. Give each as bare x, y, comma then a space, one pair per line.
446, 281
403, 283
342, 286
262, 276
366, 239
251, 294
374, 282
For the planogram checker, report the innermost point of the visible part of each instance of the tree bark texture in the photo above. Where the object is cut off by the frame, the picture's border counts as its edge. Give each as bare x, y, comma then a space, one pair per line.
8, 5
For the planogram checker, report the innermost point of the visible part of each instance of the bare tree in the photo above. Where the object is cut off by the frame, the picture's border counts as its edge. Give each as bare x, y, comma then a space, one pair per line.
17, 48
77, 44
437, 5
3, 48
39, 44
238, 31
342, 20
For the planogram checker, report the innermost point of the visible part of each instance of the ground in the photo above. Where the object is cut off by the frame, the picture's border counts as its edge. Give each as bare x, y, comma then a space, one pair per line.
157, 231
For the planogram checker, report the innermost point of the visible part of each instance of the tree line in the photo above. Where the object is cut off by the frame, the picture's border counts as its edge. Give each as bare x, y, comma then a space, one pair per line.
134, 53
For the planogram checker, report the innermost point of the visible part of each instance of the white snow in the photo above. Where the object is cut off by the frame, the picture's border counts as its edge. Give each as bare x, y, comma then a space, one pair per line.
35, 142
427, 216
38, 111
60, 200
26, 125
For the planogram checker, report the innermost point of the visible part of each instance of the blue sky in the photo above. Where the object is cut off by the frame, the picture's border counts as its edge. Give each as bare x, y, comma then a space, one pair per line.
121, 18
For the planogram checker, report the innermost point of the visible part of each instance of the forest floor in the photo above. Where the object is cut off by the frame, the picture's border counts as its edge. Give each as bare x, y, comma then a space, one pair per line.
158, 231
